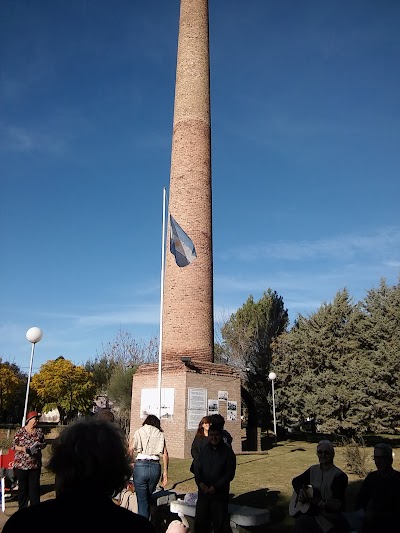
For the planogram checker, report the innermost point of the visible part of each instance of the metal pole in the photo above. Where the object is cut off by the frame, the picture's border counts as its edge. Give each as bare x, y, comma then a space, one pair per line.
273, 410
27, 385
3, 495
161, 306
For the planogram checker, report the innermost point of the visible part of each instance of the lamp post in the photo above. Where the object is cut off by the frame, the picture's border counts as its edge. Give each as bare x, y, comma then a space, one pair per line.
272, 377
33, 335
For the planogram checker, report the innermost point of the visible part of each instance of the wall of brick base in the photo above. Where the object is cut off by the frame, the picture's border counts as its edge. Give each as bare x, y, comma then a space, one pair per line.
181, 379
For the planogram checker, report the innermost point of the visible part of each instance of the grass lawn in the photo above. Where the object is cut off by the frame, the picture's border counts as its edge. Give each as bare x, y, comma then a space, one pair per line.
262, 479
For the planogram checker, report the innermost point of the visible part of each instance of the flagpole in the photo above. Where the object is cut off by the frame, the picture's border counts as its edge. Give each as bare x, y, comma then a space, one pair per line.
161, 304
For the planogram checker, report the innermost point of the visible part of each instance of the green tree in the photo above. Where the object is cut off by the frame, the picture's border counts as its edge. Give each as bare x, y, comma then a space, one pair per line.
101, 368
61, 384
247, 338
380, 330
12, 384
323, 369
113, 370
120, 393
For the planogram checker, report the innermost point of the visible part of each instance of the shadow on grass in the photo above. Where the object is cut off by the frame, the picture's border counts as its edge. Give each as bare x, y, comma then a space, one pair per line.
46, 488
267, 499
260, 498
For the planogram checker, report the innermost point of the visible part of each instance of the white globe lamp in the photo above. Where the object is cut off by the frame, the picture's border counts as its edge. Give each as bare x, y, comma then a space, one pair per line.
33, 335
272, 377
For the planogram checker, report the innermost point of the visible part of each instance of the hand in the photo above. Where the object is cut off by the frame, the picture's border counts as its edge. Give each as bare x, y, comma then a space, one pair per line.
304, 495
203, 487
176, 526
34, 449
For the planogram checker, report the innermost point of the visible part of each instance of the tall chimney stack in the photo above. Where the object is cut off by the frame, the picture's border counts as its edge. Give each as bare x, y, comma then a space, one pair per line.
188, 323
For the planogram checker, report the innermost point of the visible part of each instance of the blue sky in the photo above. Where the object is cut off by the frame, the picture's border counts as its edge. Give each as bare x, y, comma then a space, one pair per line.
306, 157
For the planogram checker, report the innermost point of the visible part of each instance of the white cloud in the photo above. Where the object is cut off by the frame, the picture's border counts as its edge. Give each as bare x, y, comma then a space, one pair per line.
385, 241
145, 314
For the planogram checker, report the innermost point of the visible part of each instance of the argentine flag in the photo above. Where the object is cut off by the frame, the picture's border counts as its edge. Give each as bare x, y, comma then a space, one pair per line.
181, 245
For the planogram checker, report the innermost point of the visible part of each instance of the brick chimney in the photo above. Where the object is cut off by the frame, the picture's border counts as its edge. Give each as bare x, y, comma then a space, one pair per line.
188, 324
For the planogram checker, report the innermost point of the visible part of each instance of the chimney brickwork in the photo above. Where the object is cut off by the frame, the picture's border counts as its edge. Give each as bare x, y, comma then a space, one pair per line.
187, 317
188, 322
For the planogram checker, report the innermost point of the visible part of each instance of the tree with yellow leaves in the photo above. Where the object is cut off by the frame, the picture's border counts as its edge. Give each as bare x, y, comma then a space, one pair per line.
61, 384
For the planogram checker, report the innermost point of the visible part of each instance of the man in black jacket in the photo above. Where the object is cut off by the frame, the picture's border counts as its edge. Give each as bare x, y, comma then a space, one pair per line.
214, 471
379, 496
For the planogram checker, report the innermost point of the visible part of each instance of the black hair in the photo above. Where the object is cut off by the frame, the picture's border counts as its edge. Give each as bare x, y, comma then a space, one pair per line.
105, 414
217, 419
90, 452
153, 420
215, 427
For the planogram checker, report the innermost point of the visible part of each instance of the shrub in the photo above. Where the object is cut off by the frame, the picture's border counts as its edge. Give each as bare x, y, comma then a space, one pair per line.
5, 442
356, 455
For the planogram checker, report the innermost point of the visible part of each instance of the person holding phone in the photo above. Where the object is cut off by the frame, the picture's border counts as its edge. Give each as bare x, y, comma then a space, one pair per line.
28, 444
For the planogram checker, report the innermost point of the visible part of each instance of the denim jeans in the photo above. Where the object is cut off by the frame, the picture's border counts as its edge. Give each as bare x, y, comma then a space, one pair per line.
146, 475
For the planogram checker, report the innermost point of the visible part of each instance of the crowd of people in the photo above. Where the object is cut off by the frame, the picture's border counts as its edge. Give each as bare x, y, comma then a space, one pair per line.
91, 462
92, 458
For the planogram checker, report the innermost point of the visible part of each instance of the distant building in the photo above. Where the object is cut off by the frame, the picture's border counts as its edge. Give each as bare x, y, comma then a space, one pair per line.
52, 417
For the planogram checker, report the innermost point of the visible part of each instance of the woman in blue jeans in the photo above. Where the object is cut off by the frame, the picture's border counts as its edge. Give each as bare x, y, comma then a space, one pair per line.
148, 446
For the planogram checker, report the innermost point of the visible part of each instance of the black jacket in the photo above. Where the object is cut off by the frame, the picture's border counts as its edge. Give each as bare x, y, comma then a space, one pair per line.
216, 466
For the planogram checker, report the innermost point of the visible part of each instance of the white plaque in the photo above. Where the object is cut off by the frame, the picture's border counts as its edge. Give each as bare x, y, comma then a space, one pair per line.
197, 399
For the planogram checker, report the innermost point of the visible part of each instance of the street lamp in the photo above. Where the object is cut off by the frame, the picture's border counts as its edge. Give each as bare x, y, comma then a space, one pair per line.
33, 335
272, 377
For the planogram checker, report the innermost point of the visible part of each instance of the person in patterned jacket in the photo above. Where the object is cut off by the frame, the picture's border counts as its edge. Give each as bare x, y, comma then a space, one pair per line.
28, 444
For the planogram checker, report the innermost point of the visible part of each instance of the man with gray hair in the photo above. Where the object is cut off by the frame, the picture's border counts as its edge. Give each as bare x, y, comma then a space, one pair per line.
321, 489
379, 495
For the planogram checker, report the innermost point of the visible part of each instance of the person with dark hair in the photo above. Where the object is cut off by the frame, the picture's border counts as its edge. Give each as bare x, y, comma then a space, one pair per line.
28, 443
220, 420
147, 447
214, 470
91, 462
105, 413
321, 507
200, 439
379, 495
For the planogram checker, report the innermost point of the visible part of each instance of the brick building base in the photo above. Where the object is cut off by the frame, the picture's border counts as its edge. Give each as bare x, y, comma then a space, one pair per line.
190, 390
